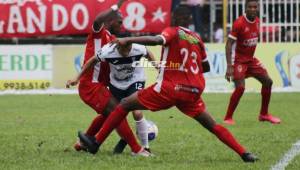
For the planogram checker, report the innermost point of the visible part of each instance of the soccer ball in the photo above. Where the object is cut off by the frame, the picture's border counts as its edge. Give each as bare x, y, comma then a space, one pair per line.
152, 130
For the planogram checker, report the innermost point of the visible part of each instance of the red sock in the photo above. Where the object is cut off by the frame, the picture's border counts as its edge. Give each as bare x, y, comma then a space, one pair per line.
266, 95
226, 137
234, 101
112, 121
95, 125
126, 133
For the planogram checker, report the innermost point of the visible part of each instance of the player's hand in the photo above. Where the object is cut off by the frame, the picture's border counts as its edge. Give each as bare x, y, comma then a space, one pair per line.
71, 83
229, 73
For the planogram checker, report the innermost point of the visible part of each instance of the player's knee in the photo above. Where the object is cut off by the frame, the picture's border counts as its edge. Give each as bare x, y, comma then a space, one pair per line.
137, 115
268, 83
240, 88
125, 103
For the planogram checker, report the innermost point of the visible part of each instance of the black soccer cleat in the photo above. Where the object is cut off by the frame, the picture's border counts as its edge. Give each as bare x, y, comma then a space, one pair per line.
249, 157
89, 142
119, 148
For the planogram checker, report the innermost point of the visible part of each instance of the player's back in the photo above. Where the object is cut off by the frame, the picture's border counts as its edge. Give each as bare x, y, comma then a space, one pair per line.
183, 53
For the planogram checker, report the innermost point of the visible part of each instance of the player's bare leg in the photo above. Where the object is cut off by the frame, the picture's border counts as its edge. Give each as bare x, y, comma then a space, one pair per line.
234, 100
264, 115
207, 121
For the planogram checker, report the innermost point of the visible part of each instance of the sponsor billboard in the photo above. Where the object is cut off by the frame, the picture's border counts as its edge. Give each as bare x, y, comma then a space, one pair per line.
25, 67
42, 66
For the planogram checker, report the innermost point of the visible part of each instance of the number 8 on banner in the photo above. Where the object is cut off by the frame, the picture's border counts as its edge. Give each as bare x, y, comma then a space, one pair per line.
135, 20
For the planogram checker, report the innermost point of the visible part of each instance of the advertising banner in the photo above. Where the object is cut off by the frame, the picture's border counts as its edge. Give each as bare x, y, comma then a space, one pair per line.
25, 67
29, 18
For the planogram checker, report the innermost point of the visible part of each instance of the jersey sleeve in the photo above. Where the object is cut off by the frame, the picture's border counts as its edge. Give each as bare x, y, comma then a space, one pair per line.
235, 30
168, 34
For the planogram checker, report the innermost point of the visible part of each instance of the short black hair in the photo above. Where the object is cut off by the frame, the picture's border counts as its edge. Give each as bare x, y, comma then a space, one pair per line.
247, 1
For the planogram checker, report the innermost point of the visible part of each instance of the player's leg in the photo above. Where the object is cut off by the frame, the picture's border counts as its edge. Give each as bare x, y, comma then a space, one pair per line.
234, 100
141, 123
258, 71
266, 89
97, 97
139, 117
143, 100
113, 120
142, 127
224, 135
196, 109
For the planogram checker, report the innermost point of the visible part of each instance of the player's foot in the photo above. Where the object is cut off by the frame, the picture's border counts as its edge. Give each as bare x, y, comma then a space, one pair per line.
119, 148
249, 157
79, 146
143, 152
269, 118
89, 142
229, 121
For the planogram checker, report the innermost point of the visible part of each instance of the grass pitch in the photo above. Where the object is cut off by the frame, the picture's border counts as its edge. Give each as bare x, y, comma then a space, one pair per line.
38, 132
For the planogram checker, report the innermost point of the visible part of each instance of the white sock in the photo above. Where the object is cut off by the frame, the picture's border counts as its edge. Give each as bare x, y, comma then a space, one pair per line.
142, 132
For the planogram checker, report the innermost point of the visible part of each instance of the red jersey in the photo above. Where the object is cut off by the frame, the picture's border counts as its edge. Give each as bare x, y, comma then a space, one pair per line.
95, 41
182, 56
246, 34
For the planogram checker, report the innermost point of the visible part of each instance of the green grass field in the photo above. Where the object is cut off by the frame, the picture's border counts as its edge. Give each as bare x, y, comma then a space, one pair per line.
38, 132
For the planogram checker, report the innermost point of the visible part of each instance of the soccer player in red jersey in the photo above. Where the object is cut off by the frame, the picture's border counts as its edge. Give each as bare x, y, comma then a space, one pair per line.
93, 85
180, 83
244, 37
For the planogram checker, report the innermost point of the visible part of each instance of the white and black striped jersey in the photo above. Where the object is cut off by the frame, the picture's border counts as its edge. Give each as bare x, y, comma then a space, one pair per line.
122, 72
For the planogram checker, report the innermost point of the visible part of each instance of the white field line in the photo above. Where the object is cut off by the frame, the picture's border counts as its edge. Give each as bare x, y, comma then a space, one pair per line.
288, 157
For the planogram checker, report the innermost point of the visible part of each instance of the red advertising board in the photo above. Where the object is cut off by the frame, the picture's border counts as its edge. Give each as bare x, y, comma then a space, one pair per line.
29, 18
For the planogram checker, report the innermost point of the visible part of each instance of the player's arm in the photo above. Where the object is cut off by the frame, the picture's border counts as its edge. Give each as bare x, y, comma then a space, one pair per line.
151, 58
144, 40
229, 71
106, 16
90, 63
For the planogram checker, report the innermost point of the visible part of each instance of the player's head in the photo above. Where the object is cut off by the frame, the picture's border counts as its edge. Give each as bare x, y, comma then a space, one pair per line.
114, 23
124, 49
182, 16
251, 9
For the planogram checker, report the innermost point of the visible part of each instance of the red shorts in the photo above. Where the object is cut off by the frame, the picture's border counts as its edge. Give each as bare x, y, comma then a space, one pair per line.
190, 104
96, 95
249, 69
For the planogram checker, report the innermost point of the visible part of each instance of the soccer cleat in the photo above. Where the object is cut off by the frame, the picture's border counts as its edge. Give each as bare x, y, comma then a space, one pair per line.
229, 121
119, 148
269, 118
79, 146
89, 142
143, 152
249, 157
